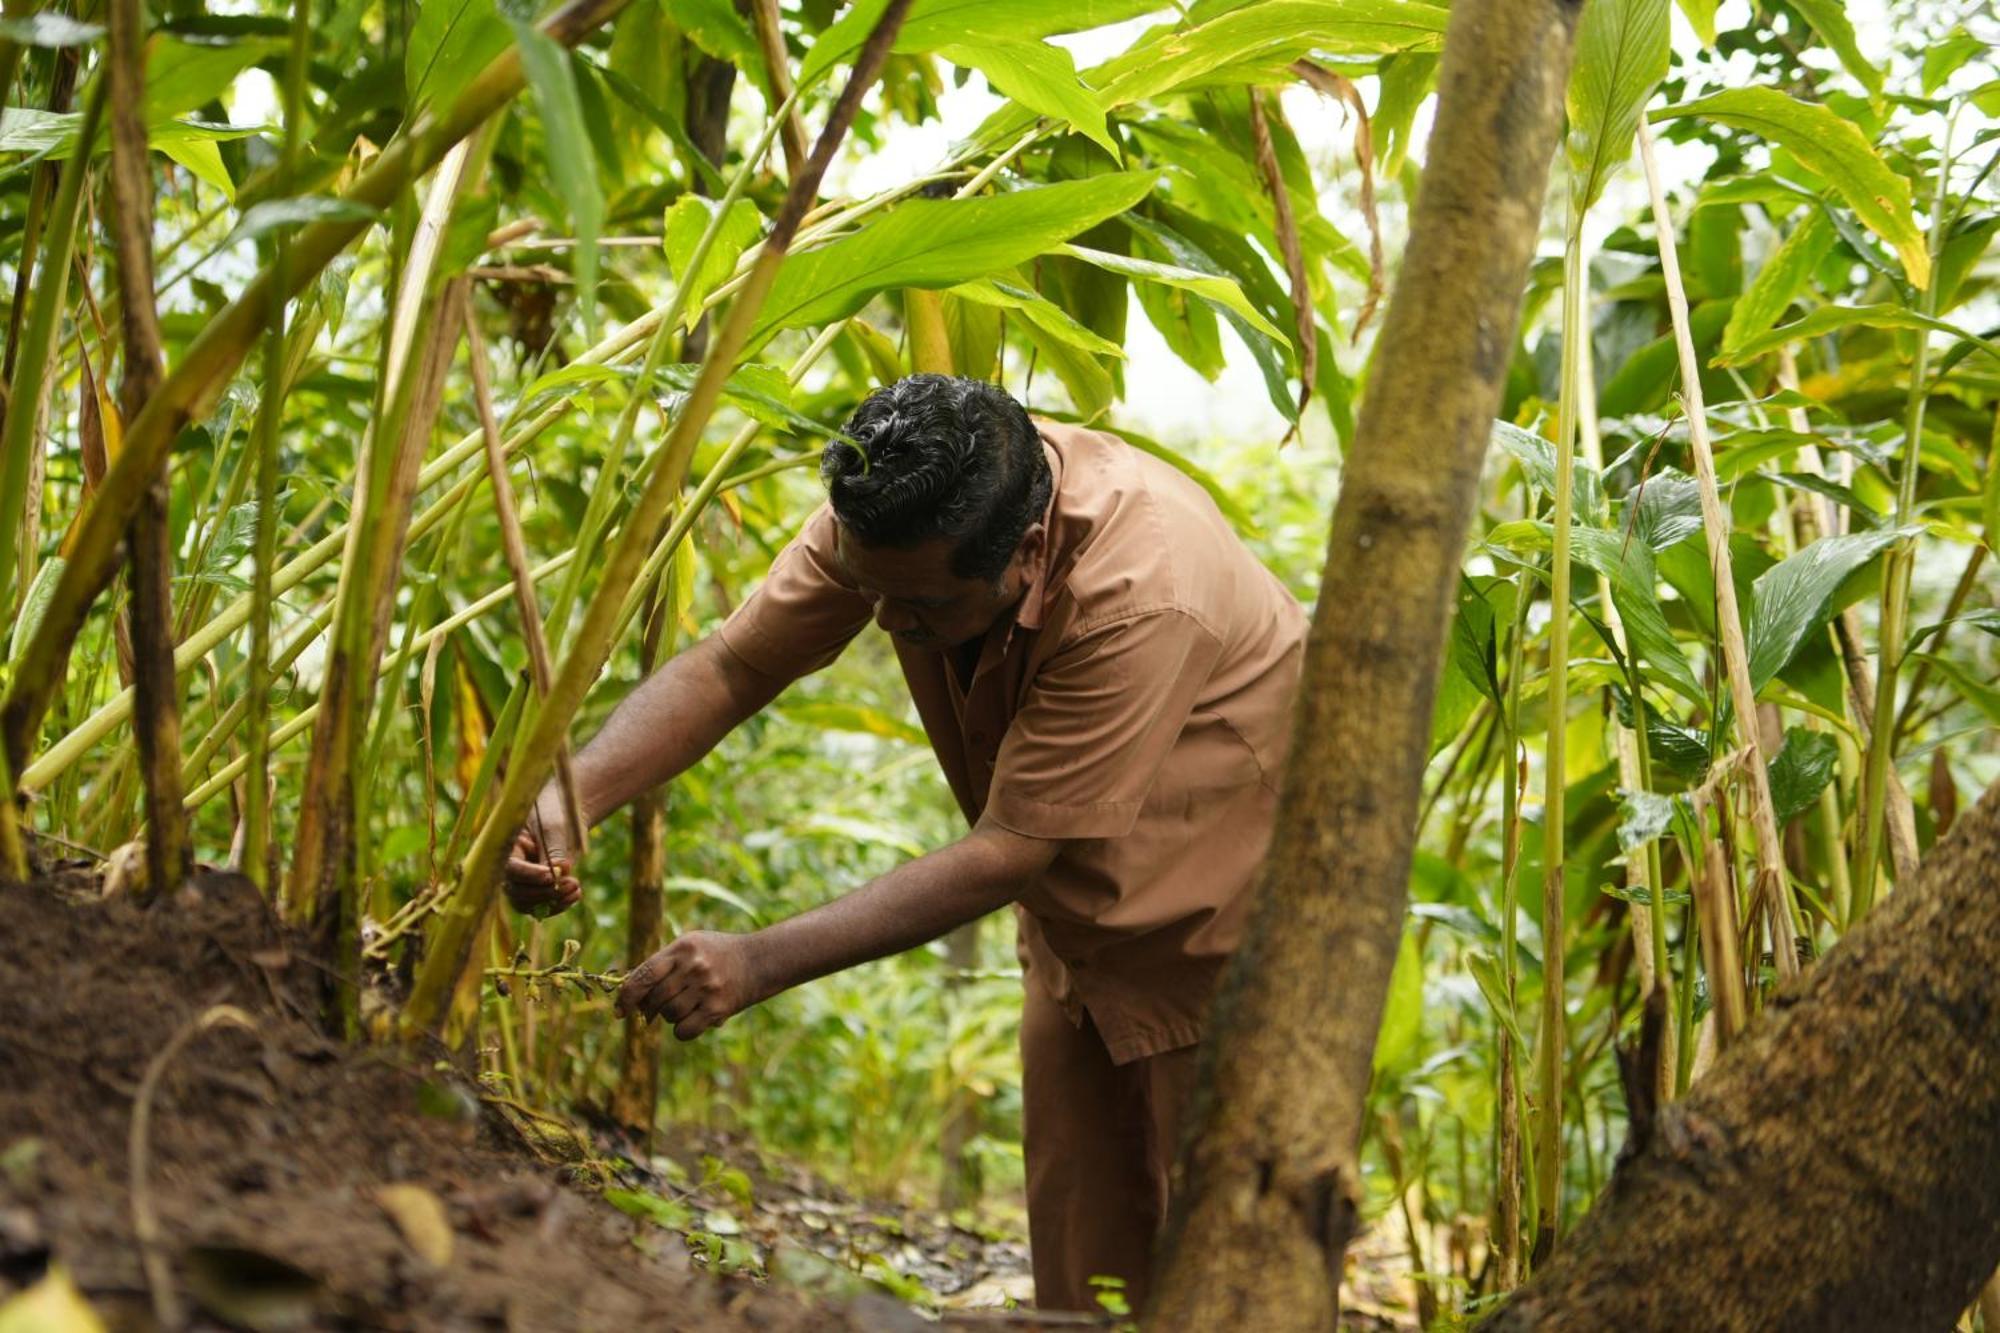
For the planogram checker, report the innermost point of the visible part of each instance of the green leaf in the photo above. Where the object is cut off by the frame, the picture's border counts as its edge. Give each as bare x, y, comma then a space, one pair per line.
1537, 458
1784, 276
1801, 769
451, 41
718, 30
1794, 598
940, 243
1084, 376
1829, 19
1403, 1009
1041, 78
1943, 59
34, 605
1835, 148
936, 23
1642, 817
1222, 291
832, 715
182, 77
687, 219
272, 214
49, 29
714, 892
1701, 14
1621, 56
1830, 318
669, 1213
1273, 32
566, 144
1486, 974
1981, 694
52, 134
1037, 309
1668, 509
204, 159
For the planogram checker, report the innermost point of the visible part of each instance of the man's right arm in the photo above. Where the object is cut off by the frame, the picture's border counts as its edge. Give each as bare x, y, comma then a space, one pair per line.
673, 718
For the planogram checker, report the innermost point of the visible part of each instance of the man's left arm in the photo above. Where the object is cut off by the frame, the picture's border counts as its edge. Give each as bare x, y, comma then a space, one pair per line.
705, 977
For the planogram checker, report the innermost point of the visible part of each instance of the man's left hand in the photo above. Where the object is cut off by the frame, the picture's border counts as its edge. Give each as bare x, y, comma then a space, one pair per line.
695, 983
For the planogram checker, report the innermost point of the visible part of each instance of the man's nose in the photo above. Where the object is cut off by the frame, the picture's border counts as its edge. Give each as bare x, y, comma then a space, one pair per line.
893, 618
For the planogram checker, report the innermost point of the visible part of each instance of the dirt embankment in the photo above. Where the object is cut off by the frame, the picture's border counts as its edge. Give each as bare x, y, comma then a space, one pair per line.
297, 1182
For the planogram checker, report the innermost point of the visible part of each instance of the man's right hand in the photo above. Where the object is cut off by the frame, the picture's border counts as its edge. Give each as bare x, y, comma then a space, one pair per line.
539, 879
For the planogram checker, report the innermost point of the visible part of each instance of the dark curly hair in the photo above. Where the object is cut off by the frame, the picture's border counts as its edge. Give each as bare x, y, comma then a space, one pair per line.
939, 456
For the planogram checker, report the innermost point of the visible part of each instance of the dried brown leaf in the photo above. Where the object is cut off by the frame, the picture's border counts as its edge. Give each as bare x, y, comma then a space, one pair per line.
1294, 253
1329, 83
420, 1216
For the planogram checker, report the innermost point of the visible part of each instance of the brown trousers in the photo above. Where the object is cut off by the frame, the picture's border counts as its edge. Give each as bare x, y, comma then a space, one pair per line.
1100, 1141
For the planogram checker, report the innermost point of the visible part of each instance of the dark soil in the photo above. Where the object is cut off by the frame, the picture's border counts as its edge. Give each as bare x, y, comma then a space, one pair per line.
270, 1151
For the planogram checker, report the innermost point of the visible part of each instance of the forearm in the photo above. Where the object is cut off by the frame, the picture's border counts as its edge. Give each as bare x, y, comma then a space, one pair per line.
669, 721
911, 905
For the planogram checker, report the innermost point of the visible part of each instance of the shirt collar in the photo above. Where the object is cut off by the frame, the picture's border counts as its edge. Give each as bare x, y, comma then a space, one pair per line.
1034, 599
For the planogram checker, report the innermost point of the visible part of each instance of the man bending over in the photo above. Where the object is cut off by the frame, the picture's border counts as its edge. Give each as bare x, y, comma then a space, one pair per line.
1106, 675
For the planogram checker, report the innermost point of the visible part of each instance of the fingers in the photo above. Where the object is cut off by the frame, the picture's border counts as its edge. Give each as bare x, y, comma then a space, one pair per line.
640, 982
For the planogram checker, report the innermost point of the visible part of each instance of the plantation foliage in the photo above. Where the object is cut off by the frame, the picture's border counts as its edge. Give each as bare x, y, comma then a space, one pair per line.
353, 199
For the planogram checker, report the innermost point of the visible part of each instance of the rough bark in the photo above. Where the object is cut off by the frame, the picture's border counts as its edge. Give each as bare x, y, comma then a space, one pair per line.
1271, 1178
1839, 1167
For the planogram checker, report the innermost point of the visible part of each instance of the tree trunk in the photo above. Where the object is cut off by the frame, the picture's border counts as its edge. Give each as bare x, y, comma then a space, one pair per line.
1272, 1183
635, 1101
1839, 1167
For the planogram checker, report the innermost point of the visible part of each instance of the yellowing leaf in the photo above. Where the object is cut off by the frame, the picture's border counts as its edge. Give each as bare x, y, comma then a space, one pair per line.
53, 1305
420, 1216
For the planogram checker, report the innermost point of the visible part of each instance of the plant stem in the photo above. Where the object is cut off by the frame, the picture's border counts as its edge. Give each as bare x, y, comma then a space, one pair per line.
1773, 883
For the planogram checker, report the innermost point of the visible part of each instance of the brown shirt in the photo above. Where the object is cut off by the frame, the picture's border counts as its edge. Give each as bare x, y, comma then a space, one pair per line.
1137, 706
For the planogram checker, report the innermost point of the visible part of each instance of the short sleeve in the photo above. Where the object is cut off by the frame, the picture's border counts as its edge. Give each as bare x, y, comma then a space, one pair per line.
1100, 719
803, 614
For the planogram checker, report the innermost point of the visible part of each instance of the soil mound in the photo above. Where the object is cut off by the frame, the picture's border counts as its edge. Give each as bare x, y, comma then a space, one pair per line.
297, 1182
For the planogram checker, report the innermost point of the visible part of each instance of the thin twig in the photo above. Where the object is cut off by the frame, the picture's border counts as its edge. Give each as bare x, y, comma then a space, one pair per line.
139, 1150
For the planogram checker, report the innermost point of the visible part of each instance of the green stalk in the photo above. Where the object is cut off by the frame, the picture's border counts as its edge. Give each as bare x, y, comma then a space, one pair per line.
1881, 753
209, 362
451, 947
29, 385
1549, 1056
264, 541
1509, 1188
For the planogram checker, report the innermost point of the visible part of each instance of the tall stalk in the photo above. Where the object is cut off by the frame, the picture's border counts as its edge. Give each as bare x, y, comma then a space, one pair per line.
1880, 756
1773, 883
256, 859
1549, 1055
449, 948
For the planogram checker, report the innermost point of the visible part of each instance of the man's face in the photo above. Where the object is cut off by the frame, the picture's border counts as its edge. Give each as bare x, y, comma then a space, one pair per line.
918, 599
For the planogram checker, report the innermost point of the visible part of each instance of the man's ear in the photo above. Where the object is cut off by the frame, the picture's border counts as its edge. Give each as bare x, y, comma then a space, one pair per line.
1032, 551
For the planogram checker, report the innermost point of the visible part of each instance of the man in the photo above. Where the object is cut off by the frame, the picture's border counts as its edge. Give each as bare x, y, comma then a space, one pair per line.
1106, 676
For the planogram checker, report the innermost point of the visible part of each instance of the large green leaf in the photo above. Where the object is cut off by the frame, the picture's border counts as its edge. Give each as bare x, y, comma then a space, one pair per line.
1036, 309
1701, 14
1832, 146
1621, 56
1402, 1009
940, 243
1794, 598
936, 23
1829, 19
182, 77
451, 41
1831, 318
1040, 77
1274, 31
1223, 291
1777, 284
